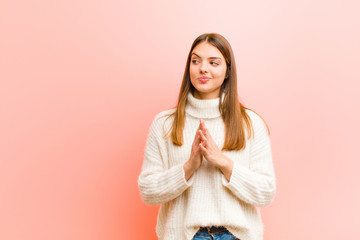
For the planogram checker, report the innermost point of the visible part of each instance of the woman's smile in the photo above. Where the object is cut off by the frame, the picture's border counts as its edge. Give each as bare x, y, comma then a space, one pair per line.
204, 79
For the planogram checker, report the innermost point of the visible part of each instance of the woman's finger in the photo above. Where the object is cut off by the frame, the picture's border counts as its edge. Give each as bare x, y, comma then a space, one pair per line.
201, 124
203, 142
202, 136
208, 135
203, 149
197, 138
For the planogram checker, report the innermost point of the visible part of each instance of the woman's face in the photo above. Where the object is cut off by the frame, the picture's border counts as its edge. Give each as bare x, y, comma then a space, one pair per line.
207, 71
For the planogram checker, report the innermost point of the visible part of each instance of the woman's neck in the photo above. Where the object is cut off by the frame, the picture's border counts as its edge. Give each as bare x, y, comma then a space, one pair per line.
202, 108
206, 96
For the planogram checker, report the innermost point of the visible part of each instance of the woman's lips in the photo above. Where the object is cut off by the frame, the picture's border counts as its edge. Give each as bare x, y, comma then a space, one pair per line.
204, 79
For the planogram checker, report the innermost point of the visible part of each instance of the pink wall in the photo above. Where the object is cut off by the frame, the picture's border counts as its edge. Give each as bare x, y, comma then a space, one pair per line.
82, 80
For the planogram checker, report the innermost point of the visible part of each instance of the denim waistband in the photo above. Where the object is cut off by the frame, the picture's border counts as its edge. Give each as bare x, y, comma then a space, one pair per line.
213, 229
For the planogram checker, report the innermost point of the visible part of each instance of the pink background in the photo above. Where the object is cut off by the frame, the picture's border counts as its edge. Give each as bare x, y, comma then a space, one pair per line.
82, 80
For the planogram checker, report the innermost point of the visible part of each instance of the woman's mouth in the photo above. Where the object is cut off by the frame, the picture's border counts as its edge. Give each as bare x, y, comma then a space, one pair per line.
204, 79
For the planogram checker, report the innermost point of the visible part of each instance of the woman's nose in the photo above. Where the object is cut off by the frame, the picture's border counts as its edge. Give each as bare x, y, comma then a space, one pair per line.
204, 67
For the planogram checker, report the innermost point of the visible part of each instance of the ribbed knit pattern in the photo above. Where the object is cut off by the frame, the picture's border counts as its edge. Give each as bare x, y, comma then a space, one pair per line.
207, 199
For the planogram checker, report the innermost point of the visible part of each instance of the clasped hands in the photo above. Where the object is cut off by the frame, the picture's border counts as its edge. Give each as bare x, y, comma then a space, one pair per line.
204, 145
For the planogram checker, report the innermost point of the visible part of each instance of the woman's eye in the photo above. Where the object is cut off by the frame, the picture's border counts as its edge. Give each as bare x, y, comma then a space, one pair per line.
195, 61
214, 63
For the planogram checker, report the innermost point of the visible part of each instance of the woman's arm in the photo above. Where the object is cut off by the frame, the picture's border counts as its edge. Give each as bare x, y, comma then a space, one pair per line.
254, 185
158, 183
257, 184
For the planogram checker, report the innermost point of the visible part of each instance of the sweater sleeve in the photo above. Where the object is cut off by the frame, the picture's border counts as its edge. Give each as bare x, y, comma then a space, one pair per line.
157, 182
255, 184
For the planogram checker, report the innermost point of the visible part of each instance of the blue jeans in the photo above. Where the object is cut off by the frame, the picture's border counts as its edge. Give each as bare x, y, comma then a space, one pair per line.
220, 236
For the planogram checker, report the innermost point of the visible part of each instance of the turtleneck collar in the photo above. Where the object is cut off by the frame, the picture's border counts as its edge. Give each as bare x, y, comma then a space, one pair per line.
199, 108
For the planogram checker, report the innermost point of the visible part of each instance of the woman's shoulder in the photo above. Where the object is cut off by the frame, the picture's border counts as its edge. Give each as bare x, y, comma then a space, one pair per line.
257, 120
254, 116
163, 120
164, 114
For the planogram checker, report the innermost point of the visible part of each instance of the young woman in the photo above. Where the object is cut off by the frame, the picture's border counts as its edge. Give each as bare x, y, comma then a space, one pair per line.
208, 161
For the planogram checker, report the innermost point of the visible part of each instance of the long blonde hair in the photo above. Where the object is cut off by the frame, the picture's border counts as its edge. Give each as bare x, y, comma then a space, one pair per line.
232, 111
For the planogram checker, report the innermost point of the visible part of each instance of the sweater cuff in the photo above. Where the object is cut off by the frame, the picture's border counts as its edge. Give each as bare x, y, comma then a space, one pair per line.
191, 179
236, 178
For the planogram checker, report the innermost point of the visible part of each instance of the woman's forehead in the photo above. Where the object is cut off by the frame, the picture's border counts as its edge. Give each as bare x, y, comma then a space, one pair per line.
206, 50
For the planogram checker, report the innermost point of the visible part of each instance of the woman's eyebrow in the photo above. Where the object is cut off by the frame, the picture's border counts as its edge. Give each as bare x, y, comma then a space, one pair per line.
208, 58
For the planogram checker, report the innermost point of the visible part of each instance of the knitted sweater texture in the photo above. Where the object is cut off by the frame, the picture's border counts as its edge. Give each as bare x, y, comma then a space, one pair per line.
207, 198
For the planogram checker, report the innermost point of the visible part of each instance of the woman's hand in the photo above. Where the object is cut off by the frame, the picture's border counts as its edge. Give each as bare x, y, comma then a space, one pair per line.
213, 154
195, 159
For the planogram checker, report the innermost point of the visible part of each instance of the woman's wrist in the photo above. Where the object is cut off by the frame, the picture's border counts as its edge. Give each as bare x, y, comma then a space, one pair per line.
189, 169
226, 166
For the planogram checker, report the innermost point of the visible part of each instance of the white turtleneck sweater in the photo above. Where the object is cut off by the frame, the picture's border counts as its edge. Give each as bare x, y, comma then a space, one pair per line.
207, 198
